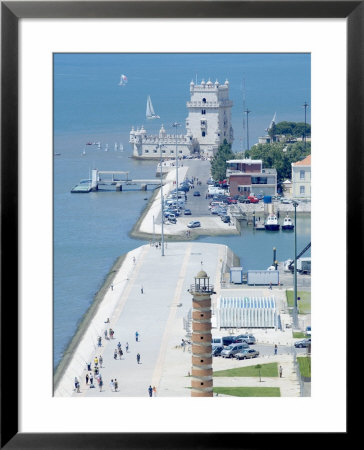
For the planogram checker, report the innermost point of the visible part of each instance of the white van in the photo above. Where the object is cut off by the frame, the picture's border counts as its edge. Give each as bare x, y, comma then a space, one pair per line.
248, 338
230, 350
217, 341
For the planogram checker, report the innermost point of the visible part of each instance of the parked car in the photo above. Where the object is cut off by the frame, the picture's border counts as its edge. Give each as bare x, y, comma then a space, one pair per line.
187, 212
194, 224
196, 194
253, 199
225, 219
217, 349
248, 338
231, 350
227, 340
172, 219
247, 354
303, 344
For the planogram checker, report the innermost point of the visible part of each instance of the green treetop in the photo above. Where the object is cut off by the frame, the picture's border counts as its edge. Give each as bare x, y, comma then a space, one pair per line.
218, 163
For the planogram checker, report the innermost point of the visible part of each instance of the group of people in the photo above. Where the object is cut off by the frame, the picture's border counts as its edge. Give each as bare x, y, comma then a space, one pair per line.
94, 373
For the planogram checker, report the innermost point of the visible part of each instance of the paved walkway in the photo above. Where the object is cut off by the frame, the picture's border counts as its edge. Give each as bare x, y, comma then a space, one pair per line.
157, 314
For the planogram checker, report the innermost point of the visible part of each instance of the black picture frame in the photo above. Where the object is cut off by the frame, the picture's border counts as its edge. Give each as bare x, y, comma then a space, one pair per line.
11, 12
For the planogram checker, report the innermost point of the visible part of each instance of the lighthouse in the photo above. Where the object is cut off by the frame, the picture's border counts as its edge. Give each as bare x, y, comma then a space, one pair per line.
201, 381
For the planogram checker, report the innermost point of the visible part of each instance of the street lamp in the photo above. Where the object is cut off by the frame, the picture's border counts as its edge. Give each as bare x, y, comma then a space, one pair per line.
247, 126
295, 310
176, 124
305, 106
162, 206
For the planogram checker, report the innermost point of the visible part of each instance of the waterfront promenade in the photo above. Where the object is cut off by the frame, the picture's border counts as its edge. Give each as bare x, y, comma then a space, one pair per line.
149, 295
156, 313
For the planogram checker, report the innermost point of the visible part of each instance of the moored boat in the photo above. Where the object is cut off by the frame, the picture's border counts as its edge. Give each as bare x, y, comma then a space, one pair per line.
287, 224
271, 224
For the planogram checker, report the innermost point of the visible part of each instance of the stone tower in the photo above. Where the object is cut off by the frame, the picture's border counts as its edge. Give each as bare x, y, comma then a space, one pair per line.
201, 291
209, 115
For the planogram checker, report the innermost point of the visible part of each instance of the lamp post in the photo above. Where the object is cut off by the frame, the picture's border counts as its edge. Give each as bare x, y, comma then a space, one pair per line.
162, 205
305, 106
247, 126
295, 311
176, 124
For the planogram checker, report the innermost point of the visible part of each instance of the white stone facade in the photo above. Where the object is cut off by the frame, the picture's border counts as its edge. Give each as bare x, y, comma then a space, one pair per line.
209, 115
207, 125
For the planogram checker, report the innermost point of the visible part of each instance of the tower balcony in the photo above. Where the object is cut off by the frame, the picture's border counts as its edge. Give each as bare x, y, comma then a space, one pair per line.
201, 104
202, 289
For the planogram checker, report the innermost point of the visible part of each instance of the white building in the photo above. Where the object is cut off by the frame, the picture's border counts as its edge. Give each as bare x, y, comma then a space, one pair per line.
301, 179
207, 125
209, 115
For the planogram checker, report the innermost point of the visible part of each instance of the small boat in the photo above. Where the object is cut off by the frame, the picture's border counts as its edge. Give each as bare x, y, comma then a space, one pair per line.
116, 146
271, 224
106, 147
150, 110
121, 147
84, 152
287, 224
57, 154
123, 80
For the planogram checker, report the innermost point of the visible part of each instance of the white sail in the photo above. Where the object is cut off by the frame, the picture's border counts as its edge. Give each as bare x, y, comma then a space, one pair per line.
150, 110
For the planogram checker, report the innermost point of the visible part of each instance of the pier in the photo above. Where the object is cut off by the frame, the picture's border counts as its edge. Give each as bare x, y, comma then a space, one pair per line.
118, 178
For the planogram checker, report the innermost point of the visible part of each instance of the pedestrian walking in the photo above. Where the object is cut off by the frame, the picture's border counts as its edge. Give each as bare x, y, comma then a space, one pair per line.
138, 358
105, 333
78, 387
76, 383
275, 349
96, 361
91, 379
150, 390
86, 378
101, 361
136, 336
112, 287
120, 353
115, 354
112, 385
134, 260
116, 385
89, 367
119, 345
141, 290
127, 347
270, 285
280, 371
101, 384
99, 341
154, 391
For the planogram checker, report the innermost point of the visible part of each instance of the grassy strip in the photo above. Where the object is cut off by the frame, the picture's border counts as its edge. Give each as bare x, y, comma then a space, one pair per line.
249, 391
304, 304
85, 321
267, 370
304, 363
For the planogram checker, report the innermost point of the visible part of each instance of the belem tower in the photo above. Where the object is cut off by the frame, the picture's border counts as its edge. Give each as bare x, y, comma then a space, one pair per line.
207, 125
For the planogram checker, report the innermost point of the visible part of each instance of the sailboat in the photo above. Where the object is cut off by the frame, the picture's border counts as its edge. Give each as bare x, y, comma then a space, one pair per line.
116, 146
121, 147
150, 111
123, 80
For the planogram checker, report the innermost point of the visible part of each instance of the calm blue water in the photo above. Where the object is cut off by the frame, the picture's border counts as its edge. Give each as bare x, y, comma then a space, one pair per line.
91, 230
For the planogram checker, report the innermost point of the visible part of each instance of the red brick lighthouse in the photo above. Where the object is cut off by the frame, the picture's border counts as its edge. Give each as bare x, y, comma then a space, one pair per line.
201, 291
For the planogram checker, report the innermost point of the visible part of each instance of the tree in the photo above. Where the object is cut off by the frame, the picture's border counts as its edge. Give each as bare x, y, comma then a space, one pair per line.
218, 163
279, 156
